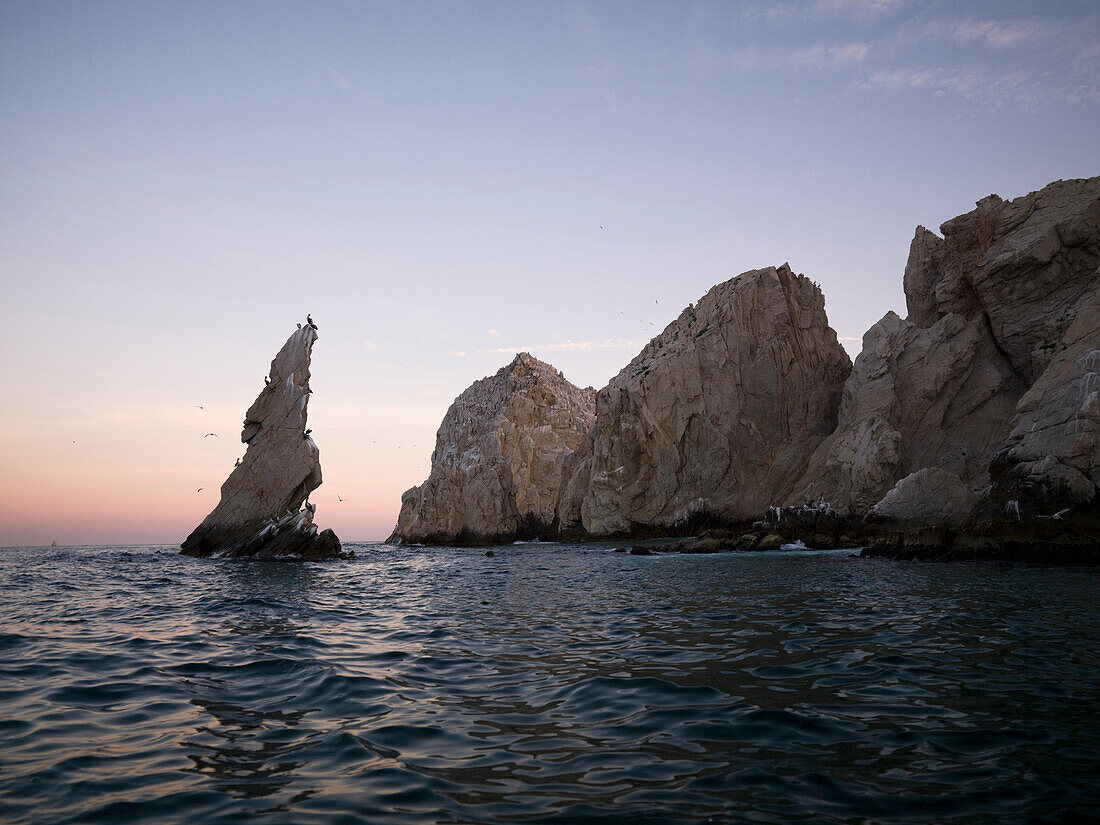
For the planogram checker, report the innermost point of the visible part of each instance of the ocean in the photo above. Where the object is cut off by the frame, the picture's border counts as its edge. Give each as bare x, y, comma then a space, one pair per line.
549, 683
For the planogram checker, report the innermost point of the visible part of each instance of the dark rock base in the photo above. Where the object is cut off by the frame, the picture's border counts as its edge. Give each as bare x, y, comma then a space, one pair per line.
294, 537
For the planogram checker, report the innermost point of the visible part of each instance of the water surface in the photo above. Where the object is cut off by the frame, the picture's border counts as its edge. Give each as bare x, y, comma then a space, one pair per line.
551, 683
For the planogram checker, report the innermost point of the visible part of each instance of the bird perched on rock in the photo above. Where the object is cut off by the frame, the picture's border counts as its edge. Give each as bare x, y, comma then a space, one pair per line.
309, 320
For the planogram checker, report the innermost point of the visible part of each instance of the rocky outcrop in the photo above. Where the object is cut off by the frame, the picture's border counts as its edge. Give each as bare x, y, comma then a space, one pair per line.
716, 417
498, 460
261, 511
928, 496
1051, 459
990, 369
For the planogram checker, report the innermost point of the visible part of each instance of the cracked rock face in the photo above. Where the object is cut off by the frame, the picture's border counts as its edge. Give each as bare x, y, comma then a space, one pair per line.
260, 512
1051, 459
498, 459
990, 371
717, 416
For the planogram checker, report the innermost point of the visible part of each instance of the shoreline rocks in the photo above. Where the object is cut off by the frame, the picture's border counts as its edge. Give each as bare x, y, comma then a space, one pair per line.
260, 513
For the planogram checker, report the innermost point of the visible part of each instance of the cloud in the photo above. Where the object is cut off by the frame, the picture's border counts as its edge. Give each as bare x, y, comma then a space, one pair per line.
993, 89
992, 33
338, 80
559, 346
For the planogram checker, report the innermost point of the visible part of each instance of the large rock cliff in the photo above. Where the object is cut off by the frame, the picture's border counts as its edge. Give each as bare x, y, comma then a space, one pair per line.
716, 417
260, 512
995, 365
498, 459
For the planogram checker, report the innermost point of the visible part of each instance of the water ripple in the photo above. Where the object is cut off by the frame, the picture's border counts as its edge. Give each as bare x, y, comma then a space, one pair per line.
553, 684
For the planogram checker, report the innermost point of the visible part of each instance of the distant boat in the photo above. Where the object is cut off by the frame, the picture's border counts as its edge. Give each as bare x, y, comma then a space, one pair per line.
53, 544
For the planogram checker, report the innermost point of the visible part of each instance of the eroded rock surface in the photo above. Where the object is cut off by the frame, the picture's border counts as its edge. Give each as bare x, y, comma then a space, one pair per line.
716, 417
991, 305
1051, 459
498, 460
261, 511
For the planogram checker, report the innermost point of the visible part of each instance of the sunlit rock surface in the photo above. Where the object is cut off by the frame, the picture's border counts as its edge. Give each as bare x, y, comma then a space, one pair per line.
498, 459
717, 416
261, 508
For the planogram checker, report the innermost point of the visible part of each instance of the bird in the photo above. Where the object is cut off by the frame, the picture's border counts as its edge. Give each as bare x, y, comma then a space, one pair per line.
308, 432
199, 407
338, 497
601, 227
299, 326
238, 464
267, 380
309, 320
199, 490
210, 434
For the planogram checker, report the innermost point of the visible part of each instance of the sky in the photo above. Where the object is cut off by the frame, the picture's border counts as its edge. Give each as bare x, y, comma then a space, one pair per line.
443, 185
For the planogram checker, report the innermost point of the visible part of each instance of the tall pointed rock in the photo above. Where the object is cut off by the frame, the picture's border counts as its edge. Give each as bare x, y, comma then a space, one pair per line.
260, 513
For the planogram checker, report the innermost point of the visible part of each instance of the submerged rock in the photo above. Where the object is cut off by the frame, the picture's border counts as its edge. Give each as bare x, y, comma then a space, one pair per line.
498, 459
718, 415
261, 513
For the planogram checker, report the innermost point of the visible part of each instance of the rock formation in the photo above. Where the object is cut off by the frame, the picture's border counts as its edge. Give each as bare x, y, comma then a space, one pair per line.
260, 512
993, 366
716, 417
498, 459
1051, 459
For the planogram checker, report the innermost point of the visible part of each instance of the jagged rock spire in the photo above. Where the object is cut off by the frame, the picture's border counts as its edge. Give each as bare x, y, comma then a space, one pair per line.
260, 512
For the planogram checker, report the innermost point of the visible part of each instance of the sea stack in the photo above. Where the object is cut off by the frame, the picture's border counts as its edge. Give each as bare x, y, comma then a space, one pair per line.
261, 510
498, 461
716, 418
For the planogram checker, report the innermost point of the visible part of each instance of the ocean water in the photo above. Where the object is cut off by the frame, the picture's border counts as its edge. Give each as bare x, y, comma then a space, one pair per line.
551, 683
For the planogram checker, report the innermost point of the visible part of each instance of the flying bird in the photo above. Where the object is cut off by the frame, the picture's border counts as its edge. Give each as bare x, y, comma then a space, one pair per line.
338, 497
199, 490
199, 407
210, 434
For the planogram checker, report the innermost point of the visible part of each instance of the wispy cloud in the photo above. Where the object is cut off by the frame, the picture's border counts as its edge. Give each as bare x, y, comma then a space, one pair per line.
990, 32
558, 346
338, 80
987, 87
1004, 58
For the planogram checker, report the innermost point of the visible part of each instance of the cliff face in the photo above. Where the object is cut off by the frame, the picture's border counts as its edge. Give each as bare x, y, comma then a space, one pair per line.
992, 362
260, 512
498, 459
717, 416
